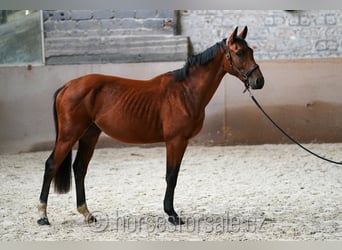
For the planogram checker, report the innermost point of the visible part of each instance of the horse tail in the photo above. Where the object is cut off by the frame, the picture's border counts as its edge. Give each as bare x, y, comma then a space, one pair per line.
62, 177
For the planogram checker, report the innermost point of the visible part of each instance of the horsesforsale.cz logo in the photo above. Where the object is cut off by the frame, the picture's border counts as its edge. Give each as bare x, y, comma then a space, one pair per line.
224, 223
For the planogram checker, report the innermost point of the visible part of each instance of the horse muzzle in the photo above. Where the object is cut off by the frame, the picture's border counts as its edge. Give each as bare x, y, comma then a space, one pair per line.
253, 78
257, 83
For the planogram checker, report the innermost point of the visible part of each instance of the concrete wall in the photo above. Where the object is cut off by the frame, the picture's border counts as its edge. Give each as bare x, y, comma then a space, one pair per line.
111, 36
302, 95
98, 36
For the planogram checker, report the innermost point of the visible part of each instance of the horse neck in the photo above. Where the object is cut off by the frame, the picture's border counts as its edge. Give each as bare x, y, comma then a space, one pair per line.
205, 79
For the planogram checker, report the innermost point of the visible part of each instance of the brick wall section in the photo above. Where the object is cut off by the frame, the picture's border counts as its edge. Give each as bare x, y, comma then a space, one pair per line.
277, 34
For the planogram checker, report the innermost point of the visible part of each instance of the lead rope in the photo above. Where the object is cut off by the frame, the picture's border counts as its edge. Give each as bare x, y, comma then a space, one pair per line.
284, 132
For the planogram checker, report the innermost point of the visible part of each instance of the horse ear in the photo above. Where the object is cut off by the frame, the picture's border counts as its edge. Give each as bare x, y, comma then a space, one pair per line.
233, 35
243, 33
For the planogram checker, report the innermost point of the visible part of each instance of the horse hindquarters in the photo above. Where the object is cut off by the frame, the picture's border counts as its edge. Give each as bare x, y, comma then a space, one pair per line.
70, 124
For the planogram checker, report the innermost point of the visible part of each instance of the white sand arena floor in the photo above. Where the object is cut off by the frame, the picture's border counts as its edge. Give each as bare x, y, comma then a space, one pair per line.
266, 192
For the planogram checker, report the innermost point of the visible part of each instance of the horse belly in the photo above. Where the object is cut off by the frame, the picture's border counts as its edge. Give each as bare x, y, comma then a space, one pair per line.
136, 131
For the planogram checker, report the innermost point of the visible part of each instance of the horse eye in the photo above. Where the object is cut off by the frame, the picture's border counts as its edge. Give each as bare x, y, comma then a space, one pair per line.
239, 53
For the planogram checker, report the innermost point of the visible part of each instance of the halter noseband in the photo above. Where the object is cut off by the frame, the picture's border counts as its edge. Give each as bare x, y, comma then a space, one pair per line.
243, 75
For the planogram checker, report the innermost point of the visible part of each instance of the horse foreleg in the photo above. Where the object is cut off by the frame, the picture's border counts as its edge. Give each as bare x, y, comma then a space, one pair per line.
175, 150
85, 151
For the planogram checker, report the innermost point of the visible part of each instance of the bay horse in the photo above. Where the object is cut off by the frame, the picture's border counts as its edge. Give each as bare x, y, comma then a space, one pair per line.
168, 108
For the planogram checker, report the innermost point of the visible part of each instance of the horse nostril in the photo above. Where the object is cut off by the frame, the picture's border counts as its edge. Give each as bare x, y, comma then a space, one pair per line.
260, 82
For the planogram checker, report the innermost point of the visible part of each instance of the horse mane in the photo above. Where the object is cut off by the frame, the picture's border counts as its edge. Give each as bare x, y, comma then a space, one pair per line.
199, 59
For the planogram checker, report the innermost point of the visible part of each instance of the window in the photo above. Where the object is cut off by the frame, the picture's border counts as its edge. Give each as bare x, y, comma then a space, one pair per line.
21, 37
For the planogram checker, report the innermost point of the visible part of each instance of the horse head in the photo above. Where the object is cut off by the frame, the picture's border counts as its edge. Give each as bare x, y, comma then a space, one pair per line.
239, 60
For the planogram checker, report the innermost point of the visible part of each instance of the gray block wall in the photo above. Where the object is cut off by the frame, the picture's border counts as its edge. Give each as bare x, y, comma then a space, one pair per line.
276, 34
111, 36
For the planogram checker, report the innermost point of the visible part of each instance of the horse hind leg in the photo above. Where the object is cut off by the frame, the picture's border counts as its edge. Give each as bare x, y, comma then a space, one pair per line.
59, 161
58, 167
48, 176
85, 151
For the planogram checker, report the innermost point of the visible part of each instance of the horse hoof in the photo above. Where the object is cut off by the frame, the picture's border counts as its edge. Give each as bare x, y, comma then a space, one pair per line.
43, 221
176, 221
91, 219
